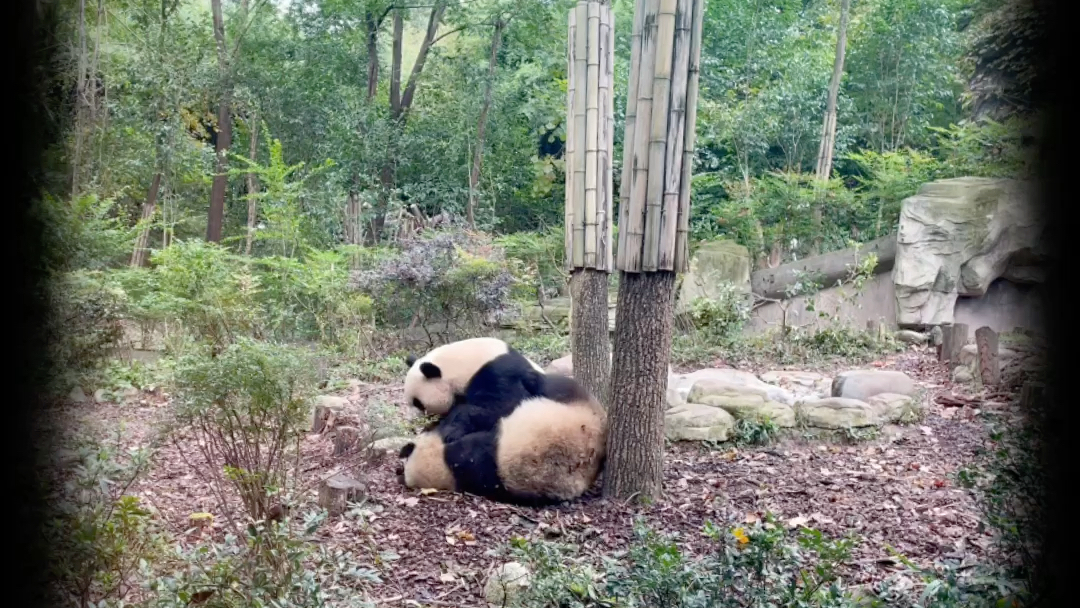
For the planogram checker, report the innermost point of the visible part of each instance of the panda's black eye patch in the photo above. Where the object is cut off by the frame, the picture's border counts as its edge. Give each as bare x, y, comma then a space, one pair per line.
407, 450
416, 403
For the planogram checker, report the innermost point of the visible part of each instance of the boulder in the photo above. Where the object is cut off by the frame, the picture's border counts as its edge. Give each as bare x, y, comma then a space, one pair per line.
506, 583
332, 402
891, 406
714, 263
697, 422
955, 237
679, 385
741, 402
962, 375
390, 444
865, 383
562, 365
838, 413
908, 336
800, 383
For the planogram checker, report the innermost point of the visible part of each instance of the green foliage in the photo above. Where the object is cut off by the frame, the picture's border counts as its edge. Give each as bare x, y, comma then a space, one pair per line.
986, 149
542, 347
536, 259
247, 405
83, 233
886, 179
723, 317
269, 564
84, 325
105, 534
753, 431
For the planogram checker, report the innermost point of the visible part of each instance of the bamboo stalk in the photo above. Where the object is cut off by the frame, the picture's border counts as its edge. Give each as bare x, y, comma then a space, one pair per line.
592, 132
605, 212
682, 238
568, 151
626, 179
633, 233
580, 129
654, 197
673, 153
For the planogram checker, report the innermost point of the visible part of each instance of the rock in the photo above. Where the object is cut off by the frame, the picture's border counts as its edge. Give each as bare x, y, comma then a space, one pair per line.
130, 393
101, 395
563, 365
891, 406
78, 395
337, 491
390, 444
962, 375
838, 413
697, 422
969, 356
800, 383
865, 383
741, 402
679, 385
332, 402
715, 263
908, 336
506, 583
955, 237
936, 335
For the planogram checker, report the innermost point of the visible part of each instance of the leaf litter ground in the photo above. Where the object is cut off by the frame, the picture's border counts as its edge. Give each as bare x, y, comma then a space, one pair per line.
895, 490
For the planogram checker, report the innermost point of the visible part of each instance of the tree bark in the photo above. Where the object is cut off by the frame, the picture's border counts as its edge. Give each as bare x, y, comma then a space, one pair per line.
638, 384
986, 340
828, 127
372, 26
216, 215
140, 254
252, 187
590, 345
829, 268
478, 158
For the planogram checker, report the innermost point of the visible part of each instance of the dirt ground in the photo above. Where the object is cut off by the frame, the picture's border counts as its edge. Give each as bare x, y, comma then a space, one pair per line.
895, 490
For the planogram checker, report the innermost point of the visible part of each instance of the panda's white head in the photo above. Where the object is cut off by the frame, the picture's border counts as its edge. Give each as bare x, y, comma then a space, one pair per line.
437, 379
425, 465
427, 389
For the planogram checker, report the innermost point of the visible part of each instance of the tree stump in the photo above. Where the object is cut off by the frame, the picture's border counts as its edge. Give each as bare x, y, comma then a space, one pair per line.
986, 340
345, 439
323, 420
337, 491
953, 338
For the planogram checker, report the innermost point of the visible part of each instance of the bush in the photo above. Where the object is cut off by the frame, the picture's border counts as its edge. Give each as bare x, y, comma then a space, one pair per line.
83, 233
455, 279
722, 317
536, 258
103, 533
247, 407
84, 325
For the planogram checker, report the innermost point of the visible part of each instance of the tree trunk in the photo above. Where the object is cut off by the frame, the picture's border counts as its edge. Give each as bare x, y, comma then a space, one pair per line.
953, 338
478, 158
216, 216
252, 187
590, 346
140, 254
372, 26
986, 340
399, 107
638, 384
828, 127
828, 268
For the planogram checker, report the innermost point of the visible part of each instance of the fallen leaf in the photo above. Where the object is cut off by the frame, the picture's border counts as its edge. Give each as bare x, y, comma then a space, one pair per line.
450, 540
939, 483
447, 577
795, 522
465, 535
428, 491
751, 518
412, 502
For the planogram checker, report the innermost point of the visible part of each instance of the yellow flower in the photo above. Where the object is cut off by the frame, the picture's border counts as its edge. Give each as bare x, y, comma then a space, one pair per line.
741, 536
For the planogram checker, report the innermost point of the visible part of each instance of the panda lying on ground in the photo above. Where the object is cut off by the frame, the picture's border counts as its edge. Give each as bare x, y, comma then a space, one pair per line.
546, 450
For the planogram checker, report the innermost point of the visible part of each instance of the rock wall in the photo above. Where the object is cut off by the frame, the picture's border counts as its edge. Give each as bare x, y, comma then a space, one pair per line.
956, 237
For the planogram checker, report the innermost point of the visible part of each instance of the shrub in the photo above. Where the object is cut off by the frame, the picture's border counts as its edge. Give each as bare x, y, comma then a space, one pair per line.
723, 316
247, 407
84, 325
453, 278
536, 258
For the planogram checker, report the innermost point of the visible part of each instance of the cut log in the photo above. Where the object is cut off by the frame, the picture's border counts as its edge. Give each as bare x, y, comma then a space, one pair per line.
953, 338
827, 269
323, 419
1032, 395
345, 439
336, 492
986, 340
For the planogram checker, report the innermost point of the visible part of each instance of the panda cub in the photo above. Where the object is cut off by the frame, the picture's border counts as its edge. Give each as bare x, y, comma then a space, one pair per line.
546, 450
477, 371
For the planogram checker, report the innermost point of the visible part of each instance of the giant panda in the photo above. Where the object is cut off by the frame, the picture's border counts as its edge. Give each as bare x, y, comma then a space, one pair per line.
478, 371
544, 451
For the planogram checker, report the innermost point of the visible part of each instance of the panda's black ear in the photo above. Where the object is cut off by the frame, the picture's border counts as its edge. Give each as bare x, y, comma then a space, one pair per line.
533, 382
407, 450
430, 370
410, 360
